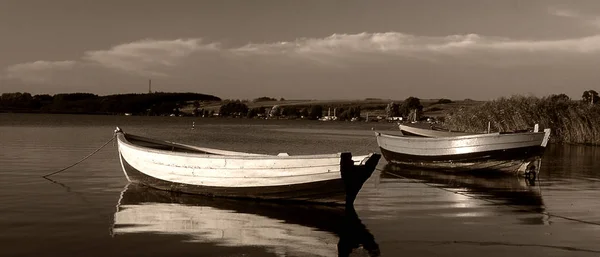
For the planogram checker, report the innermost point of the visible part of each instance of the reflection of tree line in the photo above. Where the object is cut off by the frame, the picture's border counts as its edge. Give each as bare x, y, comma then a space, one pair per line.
570, 160
140, 104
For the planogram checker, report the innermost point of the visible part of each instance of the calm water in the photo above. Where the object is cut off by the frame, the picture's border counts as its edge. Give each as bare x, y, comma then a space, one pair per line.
90, 210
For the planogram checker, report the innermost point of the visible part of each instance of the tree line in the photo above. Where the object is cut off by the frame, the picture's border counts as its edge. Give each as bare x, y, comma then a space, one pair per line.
158, 103
237, 108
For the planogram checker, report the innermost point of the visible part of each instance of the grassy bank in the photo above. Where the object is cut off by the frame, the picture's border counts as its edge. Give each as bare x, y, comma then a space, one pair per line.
570, 121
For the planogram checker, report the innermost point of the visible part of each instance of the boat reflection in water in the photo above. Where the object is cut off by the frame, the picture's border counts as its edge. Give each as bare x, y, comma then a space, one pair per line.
519, 195
284, 229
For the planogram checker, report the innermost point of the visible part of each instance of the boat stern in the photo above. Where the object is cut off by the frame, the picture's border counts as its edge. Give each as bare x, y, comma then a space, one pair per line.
354, 176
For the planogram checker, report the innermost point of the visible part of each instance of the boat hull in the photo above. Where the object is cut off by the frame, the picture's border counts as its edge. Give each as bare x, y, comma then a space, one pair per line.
519, 166
327, 191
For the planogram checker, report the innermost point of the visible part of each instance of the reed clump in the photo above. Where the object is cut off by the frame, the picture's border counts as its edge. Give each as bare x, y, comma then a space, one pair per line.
571, 121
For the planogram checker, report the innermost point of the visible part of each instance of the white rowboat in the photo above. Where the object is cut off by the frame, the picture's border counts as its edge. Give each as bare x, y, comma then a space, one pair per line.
197, 170
512, 152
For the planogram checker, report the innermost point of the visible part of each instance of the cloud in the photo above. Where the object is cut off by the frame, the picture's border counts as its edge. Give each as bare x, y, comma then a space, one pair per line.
187, 61
562, 12
158, 57
38, 71
148, 57
394, 45
588, 20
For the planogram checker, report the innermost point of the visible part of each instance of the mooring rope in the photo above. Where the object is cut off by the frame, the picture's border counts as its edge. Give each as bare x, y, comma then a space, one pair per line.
495, 202
366, 147
80, 161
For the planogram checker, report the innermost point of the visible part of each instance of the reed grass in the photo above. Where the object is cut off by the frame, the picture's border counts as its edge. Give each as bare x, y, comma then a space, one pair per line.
570, 121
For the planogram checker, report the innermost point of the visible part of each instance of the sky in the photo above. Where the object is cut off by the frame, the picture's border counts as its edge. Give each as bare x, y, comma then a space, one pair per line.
302, 49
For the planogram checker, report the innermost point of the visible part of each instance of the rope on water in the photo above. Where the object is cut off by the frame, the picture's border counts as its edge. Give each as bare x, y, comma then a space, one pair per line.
80, 161
495, 202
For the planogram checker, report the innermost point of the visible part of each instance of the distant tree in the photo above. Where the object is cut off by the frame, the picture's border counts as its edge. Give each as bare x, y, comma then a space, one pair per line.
347, 114
344, 115
410, 104
252, 113
282, 99
17, 100
290, 111
264, 99
339, 111
163, 108
275, 111
392, 110
444, 101
559, 97
304, 112
355, 112
262, 110
233, 108
315, 112
590, 96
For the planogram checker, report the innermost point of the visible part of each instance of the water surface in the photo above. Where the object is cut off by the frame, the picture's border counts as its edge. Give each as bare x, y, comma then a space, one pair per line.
90, 210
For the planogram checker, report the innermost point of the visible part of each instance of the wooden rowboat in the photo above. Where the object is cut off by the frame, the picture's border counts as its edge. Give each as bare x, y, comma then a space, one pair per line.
513, 153
282, 229
326, 178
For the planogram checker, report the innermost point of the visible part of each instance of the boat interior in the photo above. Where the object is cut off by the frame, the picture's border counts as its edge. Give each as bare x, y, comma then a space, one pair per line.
162, 145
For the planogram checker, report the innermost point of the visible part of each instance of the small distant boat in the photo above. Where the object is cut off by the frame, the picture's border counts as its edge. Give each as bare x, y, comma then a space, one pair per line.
325, 178
513, 152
